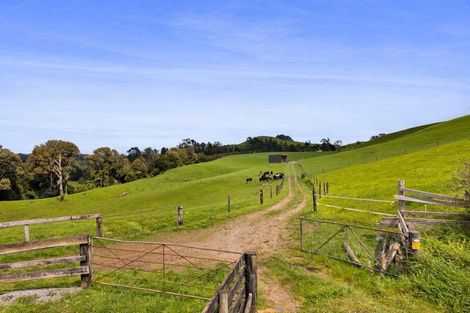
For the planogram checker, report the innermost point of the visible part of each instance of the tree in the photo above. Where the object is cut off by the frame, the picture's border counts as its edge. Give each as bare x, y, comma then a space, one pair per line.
138, 170
10, 172
108, 166
337, 145
284, 137
326, 144
150, 155
55, 159
133, 154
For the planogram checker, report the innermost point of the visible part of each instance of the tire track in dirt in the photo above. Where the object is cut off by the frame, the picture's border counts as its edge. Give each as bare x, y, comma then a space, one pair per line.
262, 232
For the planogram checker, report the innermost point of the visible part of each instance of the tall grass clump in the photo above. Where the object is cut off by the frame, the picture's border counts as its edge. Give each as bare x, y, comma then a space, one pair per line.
442, 274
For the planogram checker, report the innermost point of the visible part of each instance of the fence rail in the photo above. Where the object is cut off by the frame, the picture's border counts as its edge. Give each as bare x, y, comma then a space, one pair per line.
238, 292
84, 257
178, 270
420, 196
27, 223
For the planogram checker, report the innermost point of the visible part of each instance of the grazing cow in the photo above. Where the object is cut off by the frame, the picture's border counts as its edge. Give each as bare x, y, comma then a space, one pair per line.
248, 180
265, 176
278, 176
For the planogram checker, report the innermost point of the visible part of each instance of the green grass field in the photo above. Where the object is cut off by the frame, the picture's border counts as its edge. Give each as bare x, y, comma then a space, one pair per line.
426, 157
439, 282
151, 203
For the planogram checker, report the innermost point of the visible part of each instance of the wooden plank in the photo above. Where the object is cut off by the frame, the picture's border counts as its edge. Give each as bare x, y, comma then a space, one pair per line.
26, 233
236, 286
49, 220
388, 222
401, 204
228, 280
386, 257
430, 201
32, 263
351, 255
44, 274
223, 301
392, 222
402, 237
429, 213
433, 195
248, 303
402, 223
212, 305
42, 244
238, 301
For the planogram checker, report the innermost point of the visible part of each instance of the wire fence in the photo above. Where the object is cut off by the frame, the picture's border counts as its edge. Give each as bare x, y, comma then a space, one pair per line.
374, 249
172, 269
359, 199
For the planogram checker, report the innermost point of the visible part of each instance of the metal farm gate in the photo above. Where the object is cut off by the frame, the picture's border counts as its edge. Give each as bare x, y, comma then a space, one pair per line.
225, 280
375, 249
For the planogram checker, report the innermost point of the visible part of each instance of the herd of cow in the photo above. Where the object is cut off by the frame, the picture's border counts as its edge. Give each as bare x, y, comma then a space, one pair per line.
266, 176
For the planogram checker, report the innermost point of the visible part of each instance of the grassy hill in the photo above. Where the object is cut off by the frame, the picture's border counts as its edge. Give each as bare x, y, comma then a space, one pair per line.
201, 189
426, 157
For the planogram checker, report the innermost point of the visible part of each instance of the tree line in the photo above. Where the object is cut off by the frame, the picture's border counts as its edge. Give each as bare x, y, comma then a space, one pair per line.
57, 168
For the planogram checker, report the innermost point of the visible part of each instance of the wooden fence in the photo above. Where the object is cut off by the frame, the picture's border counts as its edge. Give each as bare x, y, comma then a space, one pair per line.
84, 257
425, 197
238, 292
405, 223
26, 223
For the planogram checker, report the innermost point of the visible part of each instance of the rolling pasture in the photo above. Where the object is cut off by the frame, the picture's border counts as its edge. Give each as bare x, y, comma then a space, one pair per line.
150, 204
426, 157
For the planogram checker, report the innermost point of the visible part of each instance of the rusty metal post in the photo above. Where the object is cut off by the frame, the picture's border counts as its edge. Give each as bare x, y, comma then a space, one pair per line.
163, 267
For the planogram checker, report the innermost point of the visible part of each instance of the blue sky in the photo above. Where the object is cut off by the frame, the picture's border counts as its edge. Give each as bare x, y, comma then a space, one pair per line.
149, 73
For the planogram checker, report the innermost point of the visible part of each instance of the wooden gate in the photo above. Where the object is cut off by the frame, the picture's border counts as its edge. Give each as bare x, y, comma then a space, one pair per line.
83, 257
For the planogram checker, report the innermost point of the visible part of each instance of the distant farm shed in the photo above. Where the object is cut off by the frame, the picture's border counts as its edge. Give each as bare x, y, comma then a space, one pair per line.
277, 158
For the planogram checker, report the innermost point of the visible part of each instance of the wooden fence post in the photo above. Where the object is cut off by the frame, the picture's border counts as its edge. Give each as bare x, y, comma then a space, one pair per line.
179, 217
324, 188
277, 190
319, 189
401, 203
314, 196
327, 188
261, 196
270, 191
26, 233
85, 250
99, 226
251, 277
223, 301
228, 203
